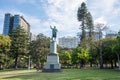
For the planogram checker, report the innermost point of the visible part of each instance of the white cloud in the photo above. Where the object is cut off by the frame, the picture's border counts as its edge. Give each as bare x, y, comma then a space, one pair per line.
106, 11
62, 14
100, 20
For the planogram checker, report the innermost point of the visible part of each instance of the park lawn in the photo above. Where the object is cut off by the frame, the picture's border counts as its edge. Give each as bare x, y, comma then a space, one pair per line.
69, 74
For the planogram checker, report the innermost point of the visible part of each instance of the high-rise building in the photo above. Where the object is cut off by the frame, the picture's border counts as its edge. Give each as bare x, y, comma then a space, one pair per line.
111, 34
11, 22
69, 42
32, 37
95, 35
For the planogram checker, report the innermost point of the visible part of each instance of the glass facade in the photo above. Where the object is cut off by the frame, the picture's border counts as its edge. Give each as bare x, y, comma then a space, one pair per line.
7, 24
11, 22
16, 21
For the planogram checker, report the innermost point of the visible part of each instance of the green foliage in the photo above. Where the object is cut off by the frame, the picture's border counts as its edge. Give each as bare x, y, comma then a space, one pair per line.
109, 48
39, 49
65, 58
82, 12
5, 43
81, 16
19, 44
109, 54
80, 55
94, 54
90, 25
117, 46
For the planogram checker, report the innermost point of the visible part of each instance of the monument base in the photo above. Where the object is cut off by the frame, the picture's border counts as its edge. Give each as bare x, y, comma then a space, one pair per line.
52, 64
51, 70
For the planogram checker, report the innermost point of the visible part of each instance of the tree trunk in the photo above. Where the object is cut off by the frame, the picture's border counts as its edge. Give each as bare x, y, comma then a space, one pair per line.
118, 60
115, 64
83, 30
111, 62
82, 64
39, 65
1, 66
16, 61
101, 59
29, 63
119, 64
101, 62
42, 65
91, 64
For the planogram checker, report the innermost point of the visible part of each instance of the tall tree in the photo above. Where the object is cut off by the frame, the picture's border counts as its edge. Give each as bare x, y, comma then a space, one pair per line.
19, 44
90, 25
117, 49
39, 49
90, 38
81, 16
86, 24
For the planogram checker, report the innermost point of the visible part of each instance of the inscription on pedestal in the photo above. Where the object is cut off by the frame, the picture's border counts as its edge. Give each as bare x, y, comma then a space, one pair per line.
51, 66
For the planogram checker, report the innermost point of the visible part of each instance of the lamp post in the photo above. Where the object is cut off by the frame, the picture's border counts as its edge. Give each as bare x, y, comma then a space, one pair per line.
29, 63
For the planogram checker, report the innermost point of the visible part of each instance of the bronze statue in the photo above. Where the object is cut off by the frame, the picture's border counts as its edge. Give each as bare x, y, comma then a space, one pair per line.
54, 32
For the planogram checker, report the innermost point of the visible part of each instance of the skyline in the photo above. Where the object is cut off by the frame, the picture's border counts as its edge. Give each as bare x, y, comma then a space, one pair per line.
40, 14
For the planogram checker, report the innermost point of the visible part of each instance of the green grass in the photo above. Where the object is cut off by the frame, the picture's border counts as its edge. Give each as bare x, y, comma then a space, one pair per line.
69, 74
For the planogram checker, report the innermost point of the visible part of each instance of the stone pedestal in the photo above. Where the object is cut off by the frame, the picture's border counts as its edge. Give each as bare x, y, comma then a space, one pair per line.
52, 64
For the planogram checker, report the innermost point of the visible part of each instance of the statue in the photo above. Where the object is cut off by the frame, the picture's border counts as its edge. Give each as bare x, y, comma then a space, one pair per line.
52, 63
54, 32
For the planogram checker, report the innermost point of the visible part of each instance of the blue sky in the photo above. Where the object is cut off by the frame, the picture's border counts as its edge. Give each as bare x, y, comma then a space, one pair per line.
61, 13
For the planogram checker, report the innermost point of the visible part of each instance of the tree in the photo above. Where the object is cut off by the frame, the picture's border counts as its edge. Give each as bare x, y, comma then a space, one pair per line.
90, 25
117, 48
90, 39
100, 27
19, 44
93, 53
108, 51
81, 16
65, 58
5, 43
39, 49
80, 56
86, 23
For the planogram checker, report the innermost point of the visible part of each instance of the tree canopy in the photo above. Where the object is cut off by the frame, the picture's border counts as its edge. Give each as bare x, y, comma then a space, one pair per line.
39, 49
19, 44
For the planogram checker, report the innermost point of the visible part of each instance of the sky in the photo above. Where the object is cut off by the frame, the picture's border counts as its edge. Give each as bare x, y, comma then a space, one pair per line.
40, 14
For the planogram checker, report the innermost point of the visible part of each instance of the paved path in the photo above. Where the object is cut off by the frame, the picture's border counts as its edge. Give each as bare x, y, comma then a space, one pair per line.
12, 73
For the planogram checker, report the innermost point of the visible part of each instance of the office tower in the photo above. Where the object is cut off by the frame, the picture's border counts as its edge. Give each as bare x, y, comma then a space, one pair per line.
11, 22
8, 24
